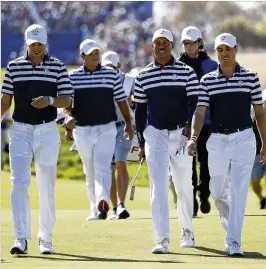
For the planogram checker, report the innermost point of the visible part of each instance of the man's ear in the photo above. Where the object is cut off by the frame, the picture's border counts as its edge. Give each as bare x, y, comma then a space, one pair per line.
173, 45
82, 56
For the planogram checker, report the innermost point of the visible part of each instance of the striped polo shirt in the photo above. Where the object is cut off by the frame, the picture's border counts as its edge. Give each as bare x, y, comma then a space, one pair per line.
49, 78
170, 92
230, 99
94, 95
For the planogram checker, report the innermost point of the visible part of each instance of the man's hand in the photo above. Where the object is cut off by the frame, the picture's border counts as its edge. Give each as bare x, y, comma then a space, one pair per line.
69, 122
263, 155
187, 131
69, 135
191, 147
129, 131
40, 102
142, 153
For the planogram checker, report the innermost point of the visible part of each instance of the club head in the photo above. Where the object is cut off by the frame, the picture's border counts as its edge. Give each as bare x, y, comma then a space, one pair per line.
132, 192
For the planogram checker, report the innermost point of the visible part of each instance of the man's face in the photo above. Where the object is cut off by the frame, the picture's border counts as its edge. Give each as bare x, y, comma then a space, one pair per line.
162, 48
37, 50
93, 58
226, 55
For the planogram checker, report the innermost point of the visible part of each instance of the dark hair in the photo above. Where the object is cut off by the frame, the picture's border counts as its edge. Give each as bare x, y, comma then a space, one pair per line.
202, 45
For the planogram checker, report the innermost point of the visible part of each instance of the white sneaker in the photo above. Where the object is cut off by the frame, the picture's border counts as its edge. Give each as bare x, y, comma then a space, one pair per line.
226, 246
234, 250
162, 247
112, 217
45, 247
187, 239
92, 217
20, 247
122, 212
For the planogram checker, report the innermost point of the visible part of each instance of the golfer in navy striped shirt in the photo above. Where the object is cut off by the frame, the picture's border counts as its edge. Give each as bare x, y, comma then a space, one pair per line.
39, 84
165, 91
229, 92
96, 88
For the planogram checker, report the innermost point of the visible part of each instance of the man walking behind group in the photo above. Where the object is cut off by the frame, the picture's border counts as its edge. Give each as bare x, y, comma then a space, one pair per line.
39, 84
229, 92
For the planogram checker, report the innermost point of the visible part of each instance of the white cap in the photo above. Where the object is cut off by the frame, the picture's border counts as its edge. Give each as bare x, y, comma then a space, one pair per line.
225, 39
190, 33
163, 33
110, 57
88, 45
35, 33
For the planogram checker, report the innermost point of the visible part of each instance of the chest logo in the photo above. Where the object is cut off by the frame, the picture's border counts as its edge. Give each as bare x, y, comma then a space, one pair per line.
240, 83
174, 76
103, 80
46, 71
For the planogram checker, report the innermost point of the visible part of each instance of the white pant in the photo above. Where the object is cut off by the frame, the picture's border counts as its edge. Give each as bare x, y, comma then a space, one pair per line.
43, 142
161, 151
96, 145
231, 157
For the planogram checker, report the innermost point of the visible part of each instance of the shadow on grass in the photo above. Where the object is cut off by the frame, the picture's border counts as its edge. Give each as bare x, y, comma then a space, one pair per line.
255, 215
82, 258
247, 255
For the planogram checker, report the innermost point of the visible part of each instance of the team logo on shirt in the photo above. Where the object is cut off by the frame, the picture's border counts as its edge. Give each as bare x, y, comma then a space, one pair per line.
174, 76
240, 83
46, 71
103, 80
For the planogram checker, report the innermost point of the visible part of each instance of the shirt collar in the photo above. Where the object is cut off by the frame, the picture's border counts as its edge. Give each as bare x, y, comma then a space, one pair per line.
171, 62
219, 71
98, 68
45, 58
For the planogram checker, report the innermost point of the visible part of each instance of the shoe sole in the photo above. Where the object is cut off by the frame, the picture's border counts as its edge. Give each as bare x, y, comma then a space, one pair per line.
103, 206
236, 255
47, 253
159, 252
15, 251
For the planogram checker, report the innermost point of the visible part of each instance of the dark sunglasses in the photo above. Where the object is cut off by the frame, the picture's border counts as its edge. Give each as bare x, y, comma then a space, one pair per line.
189, 42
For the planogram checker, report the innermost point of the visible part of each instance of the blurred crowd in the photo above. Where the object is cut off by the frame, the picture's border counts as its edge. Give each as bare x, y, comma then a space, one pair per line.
125, 27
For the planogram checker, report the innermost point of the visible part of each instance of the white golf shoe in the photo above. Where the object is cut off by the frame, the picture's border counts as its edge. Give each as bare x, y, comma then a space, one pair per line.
92, 217
187, 239
45, 247
234, 249
161, 247
20, 247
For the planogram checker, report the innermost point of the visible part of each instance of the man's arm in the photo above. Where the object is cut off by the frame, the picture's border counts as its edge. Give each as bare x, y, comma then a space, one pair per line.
141, 122
124, 109
6, 101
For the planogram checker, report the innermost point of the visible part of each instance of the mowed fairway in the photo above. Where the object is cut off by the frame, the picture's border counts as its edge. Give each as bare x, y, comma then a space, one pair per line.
127, 243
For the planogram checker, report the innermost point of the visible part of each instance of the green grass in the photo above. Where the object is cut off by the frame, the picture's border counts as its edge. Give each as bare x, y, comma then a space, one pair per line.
127, 243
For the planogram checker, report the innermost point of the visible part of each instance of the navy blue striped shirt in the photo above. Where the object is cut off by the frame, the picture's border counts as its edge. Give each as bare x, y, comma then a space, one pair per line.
94, 95
230, 100
169, 94
49, 78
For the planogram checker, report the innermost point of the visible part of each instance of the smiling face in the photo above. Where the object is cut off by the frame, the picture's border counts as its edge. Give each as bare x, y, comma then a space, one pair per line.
162, 50
226, 55
36, 52
92, 60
